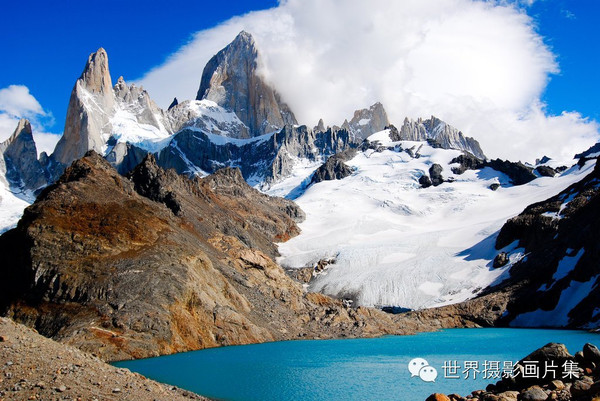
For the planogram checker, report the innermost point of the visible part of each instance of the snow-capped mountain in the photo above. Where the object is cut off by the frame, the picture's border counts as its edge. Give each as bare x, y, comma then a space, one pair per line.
403, 217
21, 174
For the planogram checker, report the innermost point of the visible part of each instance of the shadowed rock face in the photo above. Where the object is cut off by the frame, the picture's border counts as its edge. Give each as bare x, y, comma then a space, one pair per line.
268, 160
232, 81
19, 162
156, 263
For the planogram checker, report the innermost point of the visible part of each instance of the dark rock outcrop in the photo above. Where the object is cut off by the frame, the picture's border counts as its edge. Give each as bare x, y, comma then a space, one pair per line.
173, 103
592, 152
231, 79
500, 260
425, 181
394, 133
545, 171
334, 168
560, 231
517, 172
466, 161
434, 178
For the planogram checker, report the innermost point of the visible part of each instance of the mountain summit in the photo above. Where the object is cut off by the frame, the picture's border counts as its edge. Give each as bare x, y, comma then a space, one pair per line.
231, 80
91, 103
19, 160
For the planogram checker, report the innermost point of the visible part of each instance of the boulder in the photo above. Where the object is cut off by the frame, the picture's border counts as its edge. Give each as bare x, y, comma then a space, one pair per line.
500, 260
333, 169
425, 181
534, 393
591, 353
580, 388
437, 397
545, 171
435, 172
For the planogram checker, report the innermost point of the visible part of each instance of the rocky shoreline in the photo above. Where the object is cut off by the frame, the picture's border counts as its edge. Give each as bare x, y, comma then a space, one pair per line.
548, 373
33, 367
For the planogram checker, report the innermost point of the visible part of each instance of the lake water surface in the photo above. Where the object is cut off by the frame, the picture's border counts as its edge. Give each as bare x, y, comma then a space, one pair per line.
357, 369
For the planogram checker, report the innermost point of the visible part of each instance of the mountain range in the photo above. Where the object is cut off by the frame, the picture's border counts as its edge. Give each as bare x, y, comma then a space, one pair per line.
222, 220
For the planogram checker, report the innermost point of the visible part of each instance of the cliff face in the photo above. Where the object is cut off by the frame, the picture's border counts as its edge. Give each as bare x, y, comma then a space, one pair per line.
88, 114
443, 134
19, 162
231, 80
366, 122
155, 263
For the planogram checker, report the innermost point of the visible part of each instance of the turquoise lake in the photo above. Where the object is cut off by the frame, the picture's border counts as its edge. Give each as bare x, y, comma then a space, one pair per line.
356, 369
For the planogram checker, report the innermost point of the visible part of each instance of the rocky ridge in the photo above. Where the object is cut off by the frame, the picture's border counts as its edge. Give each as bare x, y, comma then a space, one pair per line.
156, 263
559, 236
446, 136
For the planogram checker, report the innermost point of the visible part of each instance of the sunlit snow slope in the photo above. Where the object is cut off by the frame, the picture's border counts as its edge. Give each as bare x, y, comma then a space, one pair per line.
401, 245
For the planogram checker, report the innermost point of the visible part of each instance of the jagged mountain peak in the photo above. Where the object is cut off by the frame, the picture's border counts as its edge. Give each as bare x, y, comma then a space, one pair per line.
20, 162
440, 132
232, 80
244, 36
23, 128
99, 111
88, 114
368, 121
96, 76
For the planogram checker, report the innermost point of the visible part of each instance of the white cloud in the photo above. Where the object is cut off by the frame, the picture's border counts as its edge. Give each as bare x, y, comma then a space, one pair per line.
478, 65
15, 103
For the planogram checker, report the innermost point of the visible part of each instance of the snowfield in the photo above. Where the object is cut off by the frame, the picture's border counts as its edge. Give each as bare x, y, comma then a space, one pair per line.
397, 244
12, 206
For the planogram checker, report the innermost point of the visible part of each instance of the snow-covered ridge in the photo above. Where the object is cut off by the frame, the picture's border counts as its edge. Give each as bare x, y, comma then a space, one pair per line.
398, 244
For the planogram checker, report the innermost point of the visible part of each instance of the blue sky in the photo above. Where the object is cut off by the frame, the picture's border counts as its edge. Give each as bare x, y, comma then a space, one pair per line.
45, 46
571, 29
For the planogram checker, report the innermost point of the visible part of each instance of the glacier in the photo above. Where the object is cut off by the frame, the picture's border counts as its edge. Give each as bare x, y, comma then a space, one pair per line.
397, 244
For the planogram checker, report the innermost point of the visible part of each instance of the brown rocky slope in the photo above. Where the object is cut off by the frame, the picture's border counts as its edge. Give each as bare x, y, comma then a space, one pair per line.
155, 263
36, 368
